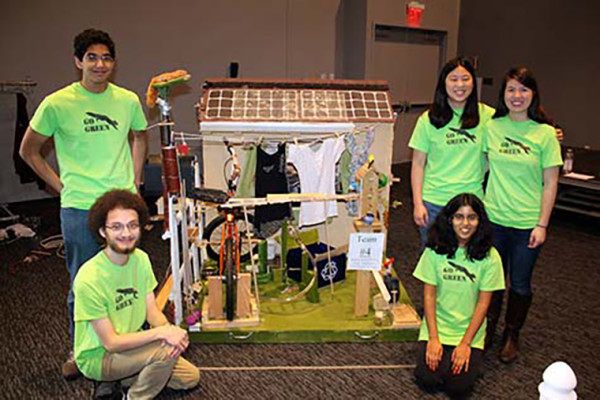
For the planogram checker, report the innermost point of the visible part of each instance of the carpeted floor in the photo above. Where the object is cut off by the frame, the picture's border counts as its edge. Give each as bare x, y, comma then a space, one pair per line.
561, 326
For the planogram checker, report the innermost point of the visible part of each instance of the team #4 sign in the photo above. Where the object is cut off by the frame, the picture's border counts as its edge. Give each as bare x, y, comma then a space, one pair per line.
366, 251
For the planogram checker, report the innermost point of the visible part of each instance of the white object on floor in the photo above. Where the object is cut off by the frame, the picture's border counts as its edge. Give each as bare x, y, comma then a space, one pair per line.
21, 230
559, 382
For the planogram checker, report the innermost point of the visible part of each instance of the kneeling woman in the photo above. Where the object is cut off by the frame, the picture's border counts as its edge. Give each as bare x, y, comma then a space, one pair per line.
460, 269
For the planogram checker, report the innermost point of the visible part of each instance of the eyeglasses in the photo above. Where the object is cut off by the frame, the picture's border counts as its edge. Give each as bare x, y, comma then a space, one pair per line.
93, 57
118, 228
461, 217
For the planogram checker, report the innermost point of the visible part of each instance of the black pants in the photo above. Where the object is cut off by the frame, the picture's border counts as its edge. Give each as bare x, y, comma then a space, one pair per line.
456, 386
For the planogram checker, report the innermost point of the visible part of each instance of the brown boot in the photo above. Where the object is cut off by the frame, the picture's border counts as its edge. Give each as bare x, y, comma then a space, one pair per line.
516, 313
69, 368
510, 348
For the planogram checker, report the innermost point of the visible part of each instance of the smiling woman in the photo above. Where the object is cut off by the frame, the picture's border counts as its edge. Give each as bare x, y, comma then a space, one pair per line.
460, 270
465, 222
459, 86
524, 157
447, 144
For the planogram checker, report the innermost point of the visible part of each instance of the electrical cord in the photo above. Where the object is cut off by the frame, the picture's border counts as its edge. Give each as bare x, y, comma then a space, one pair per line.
52, 243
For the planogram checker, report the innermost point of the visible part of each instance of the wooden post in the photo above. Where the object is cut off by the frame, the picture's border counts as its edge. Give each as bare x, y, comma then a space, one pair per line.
215, 297
243, 307
361, 298
363, 278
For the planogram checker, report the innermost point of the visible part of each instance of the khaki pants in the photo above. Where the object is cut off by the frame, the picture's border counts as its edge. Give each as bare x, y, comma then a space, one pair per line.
147, 369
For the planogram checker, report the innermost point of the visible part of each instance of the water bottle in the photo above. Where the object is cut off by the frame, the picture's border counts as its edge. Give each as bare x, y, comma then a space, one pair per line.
569, 159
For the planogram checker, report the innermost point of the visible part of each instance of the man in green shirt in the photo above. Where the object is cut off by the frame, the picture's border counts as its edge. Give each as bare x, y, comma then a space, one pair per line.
114, 297
91, 122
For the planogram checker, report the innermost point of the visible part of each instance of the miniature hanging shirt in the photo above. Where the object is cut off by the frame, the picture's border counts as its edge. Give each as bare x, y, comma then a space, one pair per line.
270, 179
316, 168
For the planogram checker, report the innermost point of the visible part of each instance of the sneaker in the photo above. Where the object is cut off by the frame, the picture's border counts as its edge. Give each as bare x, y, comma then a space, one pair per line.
69, 368
107, 391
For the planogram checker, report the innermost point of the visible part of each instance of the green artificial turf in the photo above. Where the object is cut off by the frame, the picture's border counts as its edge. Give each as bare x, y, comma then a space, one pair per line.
330, 320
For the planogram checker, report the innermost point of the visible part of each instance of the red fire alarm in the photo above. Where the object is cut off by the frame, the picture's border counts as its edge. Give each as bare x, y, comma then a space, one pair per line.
414, 12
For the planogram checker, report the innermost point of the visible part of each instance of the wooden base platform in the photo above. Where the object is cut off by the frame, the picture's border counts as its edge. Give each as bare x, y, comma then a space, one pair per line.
405, 317
222, 323
330, 320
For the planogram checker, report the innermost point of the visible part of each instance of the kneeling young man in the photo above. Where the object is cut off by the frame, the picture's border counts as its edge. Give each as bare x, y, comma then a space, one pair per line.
114, 297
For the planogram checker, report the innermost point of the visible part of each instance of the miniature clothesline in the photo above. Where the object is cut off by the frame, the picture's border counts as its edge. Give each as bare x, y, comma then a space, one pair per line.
242, 140
239, 139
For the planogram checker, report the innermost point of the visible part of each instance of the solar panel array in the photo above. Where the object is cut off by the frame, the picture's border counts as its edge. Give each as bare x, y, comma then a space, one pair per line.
232, 104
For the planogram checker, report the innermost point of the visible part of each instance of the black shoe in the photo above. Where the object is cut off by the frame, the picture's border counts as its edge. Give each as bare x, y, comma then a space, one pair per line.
107, 391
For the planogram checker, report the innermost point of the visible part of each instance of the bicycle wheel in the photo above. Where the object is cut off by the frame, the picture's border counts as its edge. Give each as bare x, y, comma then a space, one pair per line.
213, 231
230, 281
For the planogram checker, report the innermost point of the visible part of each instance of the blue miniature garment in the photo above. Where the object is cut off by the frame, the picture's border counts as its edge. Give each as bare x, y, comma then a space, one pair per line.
360, 154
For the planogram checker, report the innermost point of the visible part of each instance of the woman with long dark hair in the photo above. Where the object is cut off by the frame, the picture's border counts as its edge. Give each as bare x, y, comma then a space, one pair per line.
524, 159
447, 144
460, 270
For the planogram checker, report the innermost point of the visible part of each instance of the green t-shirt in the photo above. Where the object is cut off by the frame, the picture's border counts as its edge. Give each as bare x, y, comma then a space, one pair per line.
518, 153
458, 282
91, 133
455, 159
105, 290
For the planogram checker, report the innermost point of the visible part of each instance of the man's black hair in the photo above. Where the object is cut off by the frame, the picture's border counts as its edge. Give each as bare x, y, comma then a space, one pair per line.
90, 37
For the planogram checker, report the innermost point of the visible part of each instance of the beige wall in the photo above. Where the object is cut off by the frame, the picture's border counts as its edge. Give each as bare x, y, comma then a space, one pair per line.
411, 69
442, 15
558, 40
269, 38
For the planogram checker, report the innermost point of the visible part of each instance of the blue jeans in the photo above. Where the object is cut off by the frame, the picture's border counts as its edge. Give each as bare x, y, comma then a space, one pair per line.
517, 259
80, 246
432, 213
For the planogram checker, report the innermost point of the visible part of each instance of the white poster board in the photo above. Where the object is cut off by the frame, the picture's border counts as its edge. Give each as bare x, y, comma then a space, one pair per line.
365, 251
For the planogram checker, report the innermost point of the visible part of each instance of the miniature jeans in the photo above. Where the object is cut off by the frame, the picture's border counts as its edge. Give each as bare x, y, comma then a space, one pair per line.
517, 259
80, 246
147, 369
